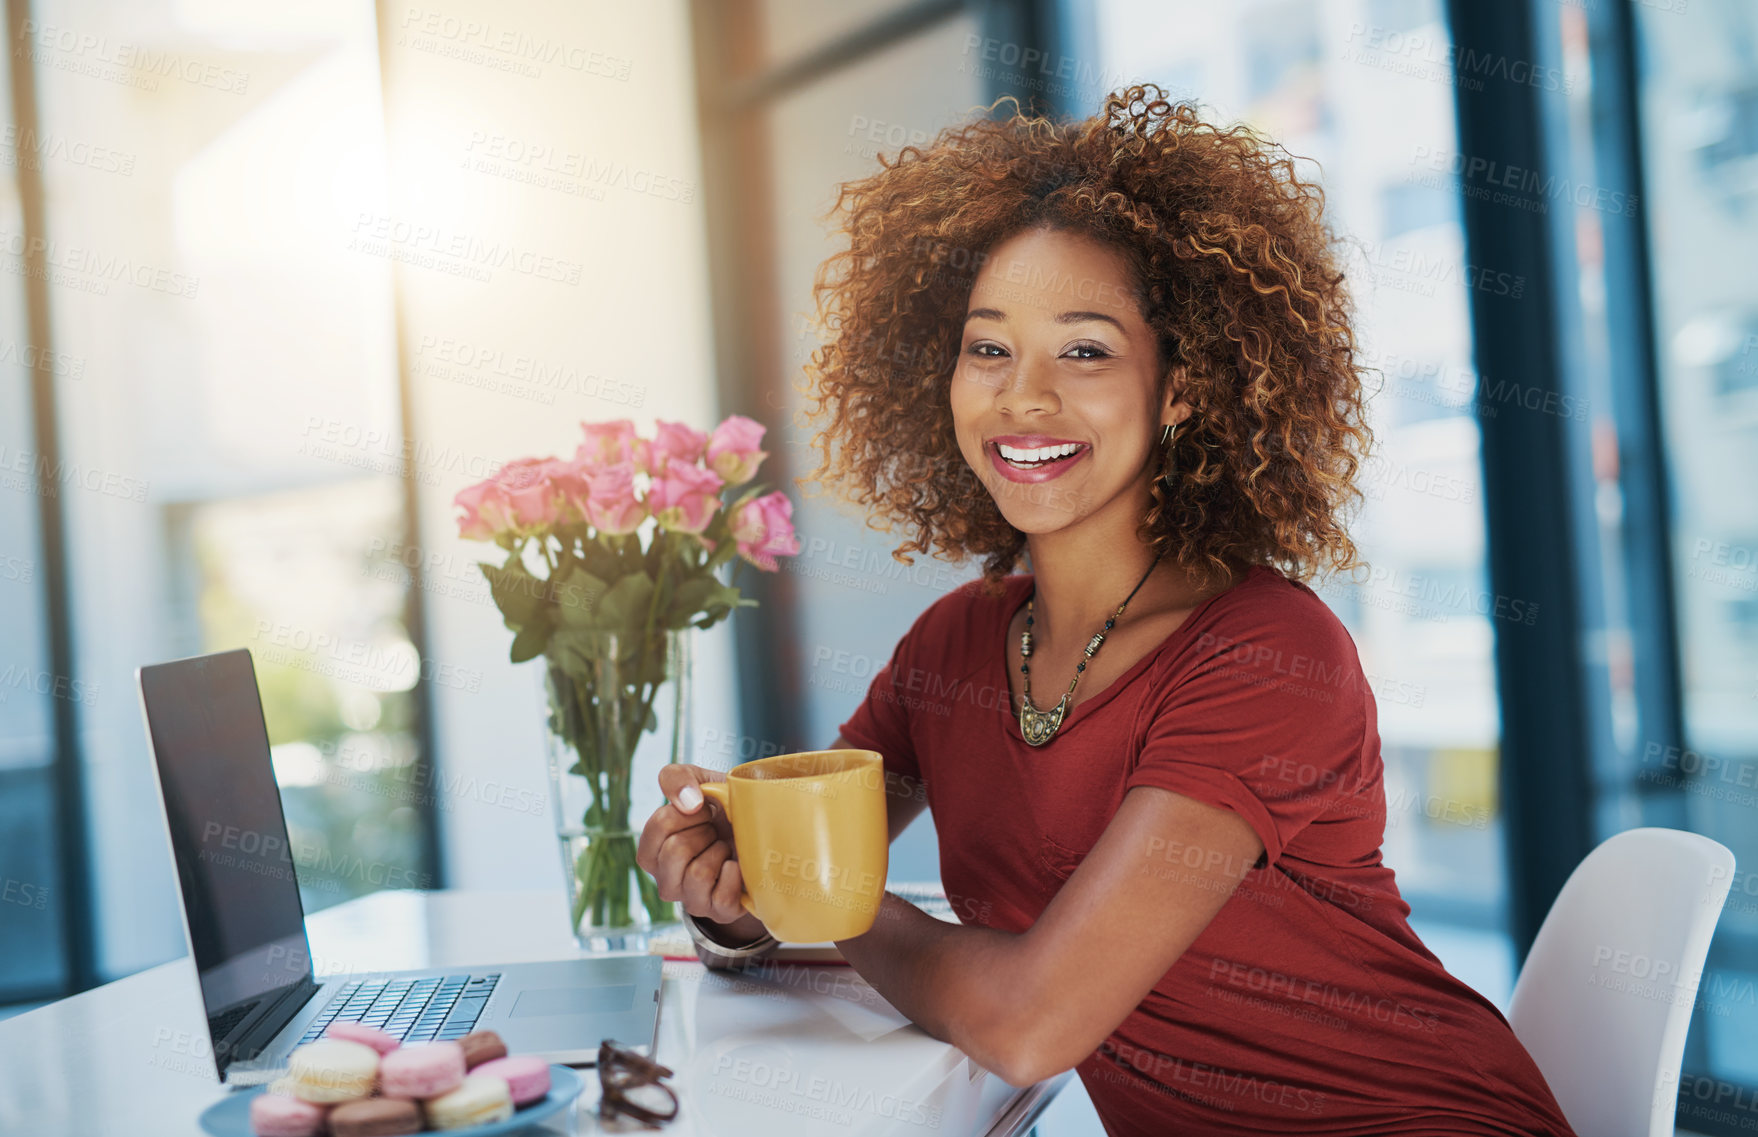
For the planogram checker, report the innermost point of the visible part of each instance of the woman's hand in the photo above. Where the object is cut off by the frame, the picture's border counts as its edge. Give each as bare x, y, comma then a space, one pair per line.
687, 846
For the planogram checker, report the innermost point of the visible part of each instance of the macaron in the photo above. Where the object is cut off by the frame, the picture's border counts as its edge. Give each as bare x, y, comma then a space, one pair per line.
480, 1100
481, 1046
375, 1117
277, 1115
527, 1077
424, 1071
372, 1036
332, 1070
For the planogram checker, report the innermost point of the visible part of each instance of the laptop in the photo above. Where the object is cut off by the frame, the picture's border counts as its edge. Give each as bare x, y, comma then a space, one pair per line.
246, 922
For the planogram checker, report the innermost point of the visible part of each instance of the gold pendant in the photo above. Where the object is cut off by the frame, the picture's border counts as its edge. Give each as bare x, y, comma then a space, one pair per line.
1041, 726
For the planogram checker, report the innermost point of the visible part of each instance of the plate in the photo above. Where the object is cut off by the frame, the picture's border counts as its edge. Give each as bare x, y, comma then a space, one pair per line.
231, 1117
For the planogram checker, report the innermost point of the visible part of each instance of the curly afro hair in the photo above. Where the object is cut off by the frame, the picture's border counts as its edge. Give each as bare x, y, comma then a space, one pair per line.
1235, 273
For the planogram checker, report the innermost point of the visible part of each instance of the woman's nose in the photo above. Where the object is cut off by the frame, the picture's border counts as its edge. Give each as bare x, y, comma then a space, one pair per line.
1028, 386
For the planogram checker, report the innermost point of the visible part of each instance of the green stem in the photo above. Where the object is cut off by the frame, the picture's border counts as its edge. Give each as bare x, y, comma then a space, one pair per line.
601, 880
591, 738
659, 579
584, 870
619, 881
614, 700
659, 911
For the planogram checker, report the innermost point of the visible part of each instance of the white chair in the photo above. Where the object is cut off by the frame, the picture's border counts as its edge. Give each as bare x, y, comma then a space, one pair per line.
1604, 999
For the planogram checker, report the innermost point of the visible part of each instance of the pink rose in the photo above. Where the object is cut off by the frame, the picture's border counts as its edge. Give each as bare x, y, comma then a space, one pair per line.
764, 530
641, 456
487, 513
612, 505
569, 482
675, 442
732, 449
606, 443
684, 496
532, 495
522, 497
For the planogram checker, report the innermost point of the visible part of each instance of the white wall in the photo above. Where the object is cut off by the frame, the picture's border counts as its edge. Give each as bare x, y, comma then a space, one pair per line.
582, 165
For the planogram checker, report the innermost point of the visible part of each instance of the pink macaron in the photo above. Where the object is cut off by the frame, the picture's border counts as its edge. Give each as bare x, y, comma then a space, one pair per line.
526, 1077
372, 1036
424, 1071
277, 1115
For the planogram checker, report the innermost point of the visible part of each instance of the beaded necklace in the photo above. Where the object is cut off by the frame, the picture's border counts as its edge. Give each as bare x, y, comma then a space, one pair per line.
1039, 726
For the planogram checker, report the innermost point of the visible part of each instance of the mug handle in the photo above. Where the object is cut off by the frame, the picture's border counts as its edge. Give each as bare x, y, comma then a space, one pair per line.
717, 791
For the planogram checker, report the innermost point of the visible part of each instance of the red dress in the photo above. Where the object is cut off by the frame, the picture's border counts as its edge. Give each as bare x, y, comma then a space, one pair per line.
1307, 1005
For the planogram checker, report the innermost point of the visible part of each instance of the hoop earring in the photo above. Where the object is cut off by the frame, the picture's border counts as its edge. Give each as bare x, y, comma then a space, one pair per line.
1168, 432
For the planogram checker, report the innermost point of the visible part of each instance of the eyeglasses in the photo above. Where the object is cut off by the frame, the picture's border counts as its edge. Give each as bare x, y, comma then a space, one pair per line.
622, 1072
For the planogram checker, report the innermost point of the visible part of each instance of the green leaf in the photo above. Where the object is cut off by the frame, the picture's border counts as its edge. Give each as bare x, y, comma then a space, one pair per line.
531, 641
653, 662
624, 605
575, 649
564, 709
728, 596
600, 561
516, 592
689, 600
578, 597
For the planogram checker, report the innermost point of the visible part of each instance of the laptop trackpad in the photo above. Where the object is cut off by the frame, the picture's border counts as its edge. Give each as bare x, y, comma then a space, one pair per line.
573, 1000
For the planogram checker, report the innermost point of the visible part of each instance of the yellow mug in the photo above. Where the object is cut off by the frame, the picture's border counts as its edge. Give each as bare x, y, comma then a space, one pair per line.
811, 836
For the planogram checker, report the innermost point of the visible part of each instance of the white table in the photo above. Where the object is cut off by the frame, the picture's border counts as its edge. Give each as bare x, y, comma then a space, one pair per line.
795, 1050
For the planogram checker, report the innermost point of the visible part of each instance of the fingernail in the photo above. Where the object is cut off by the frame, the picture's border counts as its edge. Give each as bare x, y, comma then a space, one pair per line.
689, 798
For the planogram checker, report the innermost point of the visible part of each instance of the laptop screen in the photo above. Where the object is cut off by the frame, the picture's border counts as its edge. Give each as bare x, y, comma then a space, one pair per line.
228, 836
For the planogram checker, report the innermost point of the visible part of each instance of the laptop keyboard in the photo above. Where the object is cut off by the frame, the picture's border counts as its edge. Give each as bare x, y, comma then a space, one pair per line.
435, 1008
219, 1028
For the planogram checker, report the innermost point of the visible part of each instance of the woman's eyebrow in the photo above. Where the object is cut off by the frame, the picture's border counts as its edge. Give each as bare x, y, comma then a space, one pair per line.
1080, 317
1067, 317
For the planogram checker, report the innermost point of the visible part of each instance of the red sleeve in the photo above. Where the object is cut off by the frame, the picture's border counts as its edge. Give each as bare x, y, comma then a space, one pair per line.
1266, 714
882, 721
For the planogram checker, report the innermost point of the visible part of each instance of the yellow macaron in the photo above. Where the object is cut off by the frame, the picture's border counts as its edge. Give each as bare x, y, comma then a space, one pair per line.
331, 1070
481, 1100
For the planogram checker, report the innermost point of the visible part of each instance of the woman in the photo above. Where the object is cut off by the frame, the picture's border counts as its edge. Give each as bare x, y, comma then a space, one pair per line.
1122, 348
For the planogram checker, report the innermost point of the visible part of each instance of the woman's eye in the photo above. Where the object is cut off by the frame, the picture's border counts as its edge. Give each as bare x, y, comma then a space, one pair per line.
1078, 351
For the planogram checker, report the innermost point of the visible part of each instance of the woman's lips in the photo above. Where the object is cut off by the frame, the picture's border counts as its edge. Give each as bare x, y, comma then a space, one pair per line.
1037, 474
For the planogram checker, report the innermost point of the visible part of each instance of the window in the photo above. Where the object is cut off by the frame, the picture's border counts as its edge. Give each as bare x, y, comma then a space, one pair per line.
1698, 105
300, 578
229, 401
34, 894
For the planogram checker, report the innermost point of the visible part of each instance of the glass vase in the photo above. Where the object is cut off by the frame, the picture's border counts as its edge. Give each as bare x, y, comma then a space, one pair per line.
619, 709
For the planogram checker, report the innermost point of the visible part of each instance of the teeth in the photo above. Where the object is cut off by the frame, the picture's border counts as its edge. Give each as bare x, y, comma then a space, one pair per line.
1042, 454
